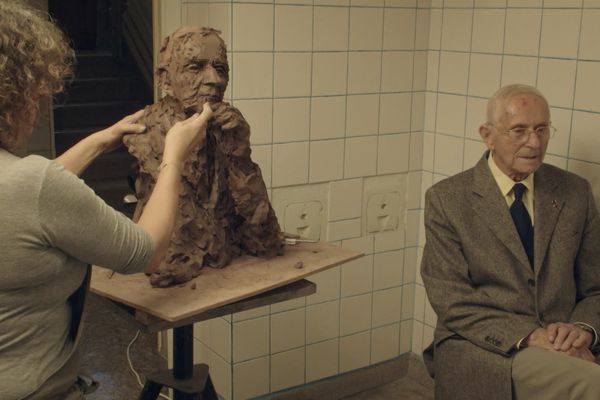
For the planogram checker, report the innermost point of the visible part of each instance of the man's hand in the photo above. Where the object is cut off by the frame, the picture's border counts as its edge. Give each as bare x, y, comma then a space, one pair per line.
539, 338
564, 336
584, 353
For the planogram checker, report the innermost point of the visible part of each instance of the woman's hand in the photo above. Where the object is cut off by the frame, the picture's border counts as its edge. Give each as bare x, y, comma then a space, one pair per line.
111, 138
185, 136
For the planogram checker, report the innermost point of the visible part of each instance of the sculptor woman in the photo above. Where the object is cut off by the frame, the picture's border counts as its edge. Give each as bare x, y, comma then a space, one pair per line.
51, 224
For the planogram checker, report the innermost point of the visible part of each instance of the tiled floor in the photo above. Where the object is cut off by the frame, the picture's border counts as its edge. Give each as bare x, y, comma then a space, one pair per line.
108, 331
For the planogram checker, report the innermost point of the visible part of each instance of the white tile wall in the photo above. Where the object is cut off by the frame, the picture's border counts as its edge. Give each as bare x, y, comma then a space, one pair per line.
342, 92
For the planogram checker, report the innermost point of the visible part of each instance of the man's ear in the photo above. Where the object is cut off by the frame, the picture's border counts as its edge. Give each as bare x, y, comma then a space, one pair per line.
485, 131
164, 83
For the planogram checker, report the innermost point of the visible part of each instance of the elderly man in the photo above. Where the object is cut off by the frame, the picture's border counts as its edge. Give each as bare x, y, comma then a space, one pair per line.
512, 266
224, 206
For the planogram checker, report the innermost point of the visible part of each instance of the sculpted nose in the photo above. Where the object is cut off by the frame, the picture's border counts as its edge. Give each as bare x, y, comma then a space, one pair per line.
212, 77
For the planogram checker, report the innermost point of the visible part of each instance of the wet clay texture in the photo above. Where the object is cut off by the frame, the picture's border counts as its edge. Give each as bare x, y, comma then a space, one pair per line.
224, 210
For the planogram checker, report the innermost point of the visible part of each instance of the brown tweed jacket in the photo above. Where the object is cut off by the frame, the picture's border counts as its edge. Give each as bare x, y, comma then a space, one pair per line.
481, 285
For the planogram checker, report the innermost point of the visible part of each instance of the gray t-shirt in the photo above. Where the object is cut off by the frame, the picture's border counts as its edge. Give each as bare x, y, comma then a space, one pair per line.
51, 226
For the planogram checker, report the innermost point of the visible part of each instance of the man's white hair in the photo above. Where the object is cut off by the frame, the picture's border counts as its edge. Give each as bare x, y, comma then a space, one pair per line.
496, 103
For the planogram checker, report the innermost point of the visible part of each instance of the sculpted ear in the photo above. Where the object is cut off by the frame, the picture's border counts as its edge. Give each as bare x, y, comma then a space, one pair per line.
485, 131
163, 81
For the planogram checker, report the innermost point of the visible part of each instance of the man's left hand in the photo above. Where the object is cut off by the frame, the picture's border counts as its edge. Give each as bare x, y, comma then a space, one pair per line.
564, 336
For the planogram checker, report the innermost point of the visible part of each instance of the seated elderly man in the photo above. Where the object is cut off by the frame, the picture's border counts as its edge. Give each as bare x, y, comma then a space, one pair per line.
512, 266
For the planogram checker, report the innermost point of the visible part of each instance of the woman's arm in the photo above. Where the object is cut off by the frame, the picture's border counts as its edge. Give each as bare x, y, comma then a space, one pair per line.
81, 155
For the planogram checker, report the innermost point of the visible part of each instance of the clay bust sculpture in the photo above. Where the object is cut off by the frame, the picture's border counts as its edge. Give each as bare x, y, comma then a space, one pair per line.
224, 208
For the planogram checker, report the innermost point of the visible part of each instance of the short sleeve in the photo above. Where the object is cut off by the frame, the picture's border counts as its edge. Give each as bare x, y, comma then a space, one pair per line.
79, 223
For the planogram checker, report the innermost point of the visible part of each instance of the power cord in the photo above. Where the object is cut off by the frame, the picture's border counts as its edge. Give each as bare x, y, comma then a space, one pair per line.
137, 376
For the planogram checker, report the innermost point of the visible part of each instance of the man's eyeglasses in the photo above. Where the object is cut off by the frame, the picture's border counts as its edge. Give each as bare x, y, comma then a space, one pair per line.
522, 134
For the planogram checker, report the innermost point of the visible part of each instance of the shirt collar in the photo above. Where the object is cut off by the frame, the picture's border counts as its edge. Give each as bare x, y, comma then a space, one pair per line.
504, 182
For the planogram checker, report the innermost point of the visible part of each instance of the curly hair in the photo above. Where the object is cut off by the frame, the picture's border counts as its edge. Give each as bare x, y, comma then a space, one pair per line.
35, 60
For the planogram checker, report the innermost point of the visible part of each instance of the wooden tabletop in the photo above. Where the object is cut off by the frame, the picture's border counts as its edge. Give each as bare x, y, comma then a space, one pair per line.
243, 278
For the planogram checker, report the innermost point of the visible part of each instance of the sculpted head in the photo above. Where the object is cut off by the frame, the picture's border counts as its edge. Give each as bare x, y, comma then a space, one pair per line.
517, 130
193, 68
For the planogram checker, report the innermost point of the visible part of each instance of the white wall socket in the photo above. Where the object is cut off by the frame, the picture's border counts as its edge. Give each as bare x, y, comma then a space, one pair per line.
304, 219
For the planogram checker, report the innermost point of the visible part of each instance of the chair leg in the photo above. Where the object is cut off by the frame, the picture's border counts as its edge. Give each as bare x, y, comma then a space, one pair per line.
151, 391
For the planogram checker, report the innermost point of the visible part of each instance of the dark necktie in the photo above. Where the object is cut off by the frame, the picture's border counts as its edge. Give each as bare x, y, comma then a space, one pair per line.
522, 220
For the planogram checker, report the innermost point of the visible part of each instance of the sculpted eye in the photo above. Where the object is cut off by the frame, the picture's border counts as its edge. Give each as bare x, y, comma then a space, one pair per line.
221, 69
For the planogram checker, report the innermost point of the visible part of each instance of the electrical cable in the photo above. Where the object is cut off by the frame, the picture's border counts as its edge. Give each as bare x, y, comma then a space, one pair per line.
137, 376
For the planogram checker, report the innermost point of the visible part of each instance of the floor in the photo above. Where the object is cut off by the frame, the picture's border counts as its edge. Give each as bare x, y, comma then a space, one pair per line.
108, 330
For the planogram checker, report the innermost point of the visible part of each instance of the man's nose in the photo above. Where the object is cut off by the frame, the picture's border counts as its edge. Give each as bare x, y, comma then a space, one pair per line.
533, 140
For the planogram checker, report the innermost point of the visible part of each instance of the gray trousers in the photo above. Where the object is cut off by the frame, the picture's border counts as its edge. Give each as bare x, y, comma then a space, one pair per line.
545, 375
63, 385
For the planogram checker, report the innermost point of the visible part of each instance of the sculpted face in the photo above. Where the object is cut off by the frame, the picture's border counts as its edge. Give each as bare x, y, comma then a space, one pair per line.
518, 158
198, 71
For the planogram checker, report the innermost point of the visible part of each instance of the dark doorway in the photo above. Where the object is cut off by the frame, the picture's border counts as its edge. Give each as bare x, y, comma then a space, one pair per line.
78, 19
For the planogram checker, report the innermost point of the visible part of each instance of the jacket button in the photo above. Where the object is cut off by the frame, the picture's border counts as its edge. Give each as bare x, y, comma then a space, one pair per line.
531, 282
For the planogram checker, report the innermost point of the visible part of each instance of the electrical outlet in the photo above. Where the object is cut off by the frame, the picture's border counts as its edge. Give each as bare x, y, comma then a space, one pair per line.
304, 219
383, 210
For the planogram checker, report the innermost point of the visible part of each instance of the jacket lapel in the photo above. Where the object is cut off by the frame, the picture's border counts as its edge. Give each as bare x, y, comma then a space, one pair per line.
490, 206
548, 203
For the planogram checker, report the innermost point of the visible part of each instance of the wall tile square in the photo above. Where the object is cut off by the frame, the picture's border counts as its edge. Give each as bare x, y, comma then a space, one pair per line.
395, 111
219, 17
292, 75
519, 70
473, 152
369, 3
290, 120
589, 171
293, 304
357, 276
362, 244
559, 162
433, 70
355, 314
328, 286
589, 46
287, 369
252, 76
415, 161
293, 28
428, 150
525, 3
591, 3
451, 112
262, 155
560, 33
456, 30
448, 155
422, 29
408, 301
290, 164
397, 71
400, 3
399, 29
561, 120
361, 157
385, 342
418, 113
330, 28
252, 27
410, 266
345, 199
328, 117
484, 76
387, 269
329, 73
412, 228
417, 337
220, 370
322, 321
251, 314
295, 2
458, 3
430, 316
332, 2
366, 28
259, 114
326, 160
346, 229
322, 360
420, 299
288, 330
251, 378
390, 240
413, 195
361, 114
585, 137
588, 86
195, 14
406, 328
355, 351
364, 72
488, 30
250, 339
420, 68
386, 306
476, 116
522, 32
435, 32
393, 153
454, 72
490, 3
